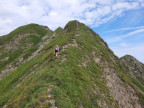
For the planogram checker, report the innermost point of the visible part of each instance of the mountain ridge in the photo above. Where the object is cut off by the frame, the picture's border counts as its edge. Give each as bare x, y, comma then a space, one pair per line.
86, 74
18, 42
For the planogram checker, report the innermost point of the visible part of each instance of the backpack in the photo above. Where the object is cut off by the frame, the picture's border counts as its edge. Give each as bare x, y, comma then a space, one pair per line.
56, 47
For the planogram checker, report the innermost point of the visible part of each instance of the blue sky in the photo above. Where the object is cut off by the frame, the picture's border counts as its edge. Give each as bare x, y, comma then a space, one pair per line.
125, 34
119, 22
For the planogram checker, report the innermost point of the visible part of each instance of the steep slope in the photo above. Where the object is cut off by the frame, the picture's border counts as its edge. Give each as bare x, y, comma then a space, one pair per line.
134, 67
135, 70
19, 45
85, 75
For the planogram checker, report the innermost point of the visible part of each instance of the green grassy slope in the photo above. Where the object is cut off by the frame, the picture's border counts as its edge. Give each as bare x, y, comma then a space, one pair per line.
73, 85
24, 40
73, 80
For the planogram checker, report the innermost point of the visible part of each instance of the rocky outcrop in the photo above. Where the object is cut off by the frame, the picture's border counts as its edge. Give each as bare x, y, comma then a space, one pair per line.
133, 67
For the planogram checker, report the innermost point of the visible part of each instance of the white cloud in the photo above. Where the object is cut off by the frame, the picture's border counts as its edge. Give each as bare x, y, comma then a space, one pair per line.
125, 5
119, 38
124, 29
54, 13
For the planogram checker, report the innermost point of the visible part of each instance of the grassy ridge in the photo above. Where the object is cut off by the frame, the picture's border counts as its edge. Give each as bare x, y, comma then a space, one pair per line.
72, 84
35, 34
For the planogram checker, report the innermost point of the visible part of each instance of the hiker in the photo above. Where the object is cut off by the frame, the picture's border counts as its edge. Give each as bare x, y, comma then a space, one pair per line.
56, 50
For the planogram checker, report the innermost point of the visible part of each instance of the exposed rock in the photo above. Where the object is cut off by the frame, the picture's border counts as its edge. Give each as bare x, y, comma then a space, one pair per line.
6, 71
49, 98
133, 66
5, 106
5, 59
104, 43
85, 60
74, 44
77, 34
63, 58
96, 58
122, 92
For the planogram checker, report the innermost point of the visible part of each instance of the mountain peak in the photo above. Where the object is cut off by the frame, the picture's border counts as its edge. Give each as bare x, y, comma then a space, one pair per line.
74, 21
127, 55
30, 28
71, 25
129, 58
59, 29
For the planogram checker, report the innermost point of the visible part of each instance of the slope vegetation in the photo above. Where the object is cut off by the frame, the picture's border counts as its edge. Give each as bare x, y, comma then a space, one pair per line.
19, 45
86, 74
